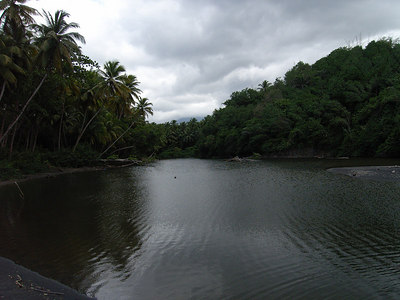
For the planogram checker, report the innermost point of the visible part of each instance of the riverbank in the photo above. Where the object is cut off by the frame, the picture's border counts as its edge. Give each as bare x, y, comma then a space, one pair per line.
18, 282
385, 173
53, 172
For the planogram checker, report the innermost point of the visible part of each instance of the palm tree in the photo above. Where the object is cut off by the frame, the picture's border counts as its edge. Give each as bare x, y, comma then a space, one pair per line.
132, 83
144, 107
56, 45
113, 80
264, 86
16, 15
119, 89
8, 68
126, 104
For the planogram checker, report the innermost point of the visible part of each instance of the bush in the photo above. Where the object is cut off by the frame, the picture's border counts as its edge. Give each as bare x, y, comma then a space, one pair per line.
83, 156
7, 170
29, 162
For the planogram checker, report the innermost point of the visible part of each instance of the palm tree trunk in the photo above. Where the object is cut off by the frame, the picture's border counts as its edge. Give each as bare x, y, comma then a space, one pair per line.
84, 129
2, 90
28, 138
60, 128
22, 110
2, 129
36, 133
124, 148
112, 144
12, 142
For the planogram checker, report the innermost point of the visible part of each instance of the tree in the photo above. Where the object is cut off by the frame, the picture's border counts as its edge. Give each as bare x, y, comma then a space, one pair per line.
264, 86
113, 76
144, 107
8, 67
56, 45
126, 104
16, 15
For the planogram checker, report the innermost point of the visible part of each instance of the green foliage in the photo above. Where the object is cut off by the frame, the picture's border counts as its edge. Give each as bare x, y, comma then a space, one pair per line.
347, 103
8, 170
76, 110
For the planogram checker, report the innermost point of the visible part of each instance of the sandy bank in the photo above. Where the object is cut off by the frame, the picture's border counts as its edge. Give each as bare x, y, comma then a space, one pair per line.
385, 173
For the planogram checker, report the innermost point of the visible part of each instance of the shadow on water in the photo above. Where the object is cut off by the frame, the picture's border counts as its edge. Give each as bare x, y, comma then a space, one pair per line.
74, 226
190, 228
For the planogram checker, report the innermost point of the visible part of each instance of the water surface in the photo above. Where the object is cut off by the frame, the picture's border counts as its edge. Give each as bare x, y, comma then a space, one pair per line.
209, 229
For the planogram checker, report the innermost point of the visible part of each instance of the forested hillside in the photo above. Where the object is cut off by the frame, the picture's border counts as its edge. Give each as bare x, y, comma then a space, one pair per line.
345, 104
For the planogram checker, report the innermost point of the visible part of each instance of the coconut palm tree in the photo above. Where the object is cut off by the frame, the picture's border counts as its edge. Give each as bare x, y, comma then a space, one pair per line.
132, 83
8, 68
116, 94
126, 104
113, 80
57, 44
264, 86
16, 15
144, 107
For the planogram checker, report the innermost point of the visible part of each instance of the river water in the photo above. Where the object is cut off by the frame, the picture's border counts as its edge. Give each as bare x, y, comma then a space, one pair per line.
209, 229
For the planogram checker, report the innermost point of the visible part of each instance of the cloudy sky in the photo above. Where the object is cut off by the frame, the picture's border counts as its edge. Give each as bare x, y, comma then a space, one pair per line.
190, 55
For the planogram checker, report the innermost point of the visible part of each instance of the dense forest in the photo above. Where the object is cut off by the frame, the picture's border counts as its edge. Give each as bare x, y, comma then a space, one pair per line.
59, 108
345, 104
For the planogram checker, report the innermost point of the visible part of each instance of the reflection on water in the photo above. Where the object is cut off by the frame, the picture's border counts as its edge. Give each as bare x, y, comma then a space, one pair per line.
183, 229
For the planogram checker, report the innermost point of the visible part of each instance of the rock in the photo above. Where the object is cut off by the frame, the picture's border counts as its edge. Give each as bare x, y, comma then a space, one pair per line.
235, 159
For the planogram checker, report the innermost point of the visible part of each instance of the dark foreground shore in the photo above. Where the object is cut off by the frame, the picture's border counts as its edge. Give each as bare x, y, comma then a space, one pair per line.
17, 282
385, 173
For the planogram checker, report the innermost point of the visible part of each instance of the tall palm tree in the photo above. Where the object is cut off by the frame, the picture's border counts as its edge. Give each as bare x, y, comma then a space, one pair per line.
113, 80
112, 88
120, 90
126, 104
144, 107
57, 44
8, 68
132, 83
16, 15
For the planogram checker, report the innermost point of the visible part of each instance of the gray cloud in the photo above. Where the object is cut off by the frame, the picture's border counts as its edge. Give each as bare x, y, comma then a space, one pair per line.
191, 55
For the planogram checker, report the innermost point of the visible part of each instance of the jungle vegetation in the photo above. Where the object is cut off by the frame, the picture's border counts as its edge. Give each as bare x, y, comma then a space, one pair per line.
345, 104
59, 108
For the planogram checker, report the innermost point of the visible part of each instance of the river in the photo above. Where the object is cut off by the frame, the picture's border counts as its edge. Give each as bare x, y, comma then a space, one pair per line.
209, 229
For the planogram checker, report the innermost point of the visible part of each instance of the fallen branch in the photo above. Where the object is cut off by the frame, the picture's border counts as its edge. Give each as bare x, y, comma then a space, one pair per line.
21, 193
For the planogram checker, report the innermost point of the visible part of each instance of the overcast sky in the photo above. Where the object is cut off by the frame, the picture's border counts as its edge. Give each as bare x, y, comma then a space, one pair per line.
190, 55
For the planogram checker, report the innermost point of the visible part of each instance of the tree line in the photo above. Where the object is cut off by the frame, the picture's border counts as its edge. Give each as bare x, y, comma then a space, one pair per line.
345, 104
53, 98
58, 107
